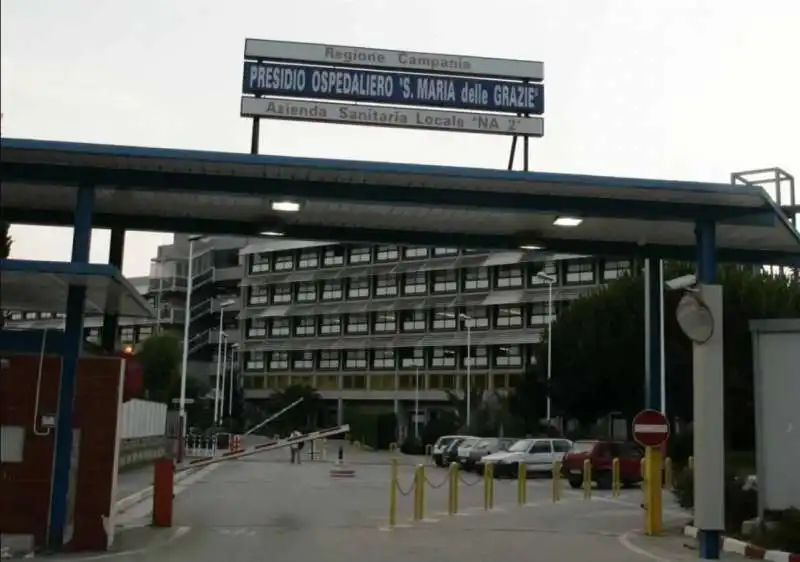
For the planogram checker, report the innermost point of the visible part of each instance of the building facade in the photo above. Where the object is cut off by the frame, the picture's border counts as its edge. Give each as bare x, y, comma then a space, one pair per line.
385, 326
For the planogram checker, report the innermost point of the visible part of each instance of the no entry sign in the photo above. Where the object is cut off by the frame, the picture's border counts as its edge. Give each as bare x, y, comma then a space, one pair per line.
650, 428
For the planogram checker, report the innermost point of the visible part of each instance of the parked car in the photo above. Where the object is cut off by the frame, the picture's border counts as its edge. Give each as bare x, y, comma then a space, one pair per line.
441, 445
486, 447
601, 453
450, 454
537, 454
464, 449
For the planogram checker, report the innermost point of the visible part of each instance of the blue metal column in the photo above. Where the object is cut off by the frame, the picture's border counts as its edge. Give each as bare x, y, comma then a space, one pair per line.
73, 340
116, 251
652, 292
709, 539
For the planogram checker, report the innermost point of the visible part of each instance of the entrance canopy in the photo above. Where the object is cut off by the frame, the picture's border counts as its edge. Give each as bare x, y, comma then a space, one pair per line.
42, 286
211, 192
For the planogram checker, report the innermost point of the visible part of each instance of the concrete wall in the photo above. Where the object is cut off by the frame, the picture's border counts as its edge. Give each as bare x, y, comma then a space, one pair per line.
28, 460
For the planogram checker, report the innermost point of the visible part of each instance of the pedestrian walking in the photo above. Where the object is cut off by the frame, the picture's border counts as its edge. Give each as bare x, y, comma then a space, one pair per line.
295, 447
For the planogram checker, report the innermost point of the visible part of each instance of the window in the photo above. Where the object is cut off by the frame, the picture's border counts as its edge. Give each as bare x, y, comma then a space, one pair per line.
441, 252
145, 332
16, 316
508, 356
279, 327
302, 360
386, 286
59, 315
580, 273
333, 257
45, 315
358, 288
284, 262
306, 292
561, 446
282, 293
254, 361
94, 334
509, 276
278, 360
259, 294
540, 313
413, 320
305, 326
411, 358
509, 317
387, 253
328, 359
479, 318
540, 447
259, 263
549, 269
381, 382
415, 252
357, 324
331, 325
476, 278
614, 269
383, 359
415, 284
309, 259
30, 316
332, 291
385, 322
443, 357
445, 281
355, 359
257, 328
126, 335
479, 357
360, 255
444, 319
358, 382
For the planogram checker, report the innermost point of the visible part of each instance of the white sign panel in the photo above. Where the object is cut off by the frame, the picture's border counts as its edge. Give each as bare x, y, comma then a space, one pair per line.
384, 116
409, 61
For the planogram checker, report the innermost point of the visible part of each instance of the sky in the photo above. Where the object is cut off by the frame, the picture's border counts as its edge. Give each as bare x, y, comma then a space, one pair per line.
678, 89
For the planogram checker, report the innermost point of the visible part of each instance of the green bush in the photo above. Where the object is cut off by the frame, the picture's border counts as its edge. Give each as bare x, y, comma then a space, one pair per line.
412, 446
740, 505
785, 535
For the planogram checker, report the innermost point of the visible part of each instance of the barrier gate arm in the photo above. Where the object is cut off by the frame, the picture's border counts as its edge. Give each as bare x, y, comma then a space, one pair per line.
273, 417
263, 448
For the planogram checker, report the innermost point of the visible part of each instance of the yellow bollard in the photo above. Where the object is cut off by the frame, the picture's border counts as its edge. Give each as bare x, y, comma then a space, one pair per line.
392, 447
393, 494
488, 481
652, 502
491, 486
417, 493
452, 489
616, 483
668, 478
522, 484
556, 481
423, 481
587, 479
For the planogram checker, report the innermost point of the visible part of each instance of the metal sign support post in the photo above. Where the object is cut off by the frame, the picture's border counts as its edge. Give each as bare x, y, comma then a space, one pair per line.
255, 134
525, 149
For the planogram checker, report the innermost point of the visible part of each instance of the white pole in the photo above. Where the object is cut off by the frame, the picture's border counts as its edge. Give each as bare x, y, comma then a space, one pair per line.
663, 338
222, 384
185, 359
217, 409
549, 347
230, 394
158, 296
469, 378
416, 404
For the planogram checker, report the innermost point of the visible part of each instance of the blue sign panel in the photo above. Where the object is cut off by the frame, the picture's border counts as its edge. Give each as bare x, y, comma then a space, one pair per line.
319, 82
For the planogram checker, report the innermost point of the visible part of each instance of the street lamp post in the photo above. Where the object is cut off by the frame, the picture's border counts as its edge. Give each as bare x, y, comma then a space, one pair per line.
224, 370
219, 385
159, 271
234, 357
185, 359
549, 279
416, 404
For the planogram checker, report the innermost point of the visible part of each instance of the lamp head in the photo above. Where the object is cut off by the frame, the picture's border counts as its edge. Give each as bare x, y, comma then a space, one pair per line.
695, 318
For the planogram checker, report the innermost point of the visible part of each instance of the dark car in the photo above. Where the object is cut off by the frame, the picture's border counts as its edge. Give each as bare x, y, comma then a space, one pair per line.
601, 454
450, 454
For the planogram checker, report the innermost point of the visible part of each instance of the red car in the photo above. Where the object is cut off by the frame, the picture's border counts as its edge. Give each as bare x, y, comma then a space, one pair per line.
601, 453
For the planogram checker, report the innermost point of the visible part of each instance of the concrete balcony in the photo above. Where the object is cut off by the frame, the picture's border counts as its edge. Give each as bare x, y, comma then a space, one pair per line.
229, 273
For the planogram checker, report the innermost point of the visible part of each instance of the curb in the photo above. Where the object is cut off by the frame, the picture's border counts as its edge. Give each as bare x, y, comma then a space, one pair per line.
748, 550
127, 502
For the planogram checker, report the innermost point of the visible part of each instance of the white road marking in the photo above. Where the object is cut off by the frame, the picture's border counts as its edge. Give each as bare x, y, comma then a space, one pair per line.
650, 428
178, 533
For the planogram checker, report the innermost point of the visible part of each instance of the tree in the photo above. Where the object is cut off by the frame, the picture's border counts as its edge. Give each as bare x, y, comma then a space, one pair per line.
458, 401
598, 348
527, 401
5, 240
160, 358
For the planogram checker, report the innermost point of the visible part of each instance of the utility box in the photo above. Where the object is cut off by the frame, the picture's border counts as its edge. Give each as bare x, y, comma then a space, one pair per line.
776, 374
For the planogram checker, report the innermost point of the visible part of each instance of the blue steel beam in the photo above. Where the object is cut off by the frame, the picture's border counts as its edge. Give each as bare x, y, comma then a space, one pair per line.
116, 251
73, 341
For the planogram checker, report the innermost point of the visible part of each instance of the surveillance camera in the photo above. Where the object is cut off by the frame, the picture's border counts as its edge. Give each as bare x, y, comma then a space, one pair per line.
681, 283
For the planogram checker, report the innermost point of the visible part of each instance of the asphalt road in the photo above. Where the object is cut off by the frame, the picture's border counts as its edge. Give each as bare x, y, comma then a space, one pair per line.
264, 507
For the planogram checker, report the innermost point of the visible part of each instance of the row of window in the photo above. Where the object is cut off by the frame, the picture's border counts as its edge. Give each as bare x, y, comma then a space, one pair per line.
385, 382
424, 283
338, 256
405, 321
501, 356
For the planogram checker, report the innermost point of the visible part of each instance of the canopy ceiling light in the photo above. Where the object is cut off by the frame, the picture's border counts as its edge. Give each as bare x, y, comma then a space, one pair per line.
567, 221
286, 206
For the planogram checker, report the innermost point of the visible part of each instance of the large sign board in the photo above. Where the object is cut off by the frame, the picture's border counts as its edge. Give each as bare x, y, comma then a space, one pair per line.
378, 87
409, 61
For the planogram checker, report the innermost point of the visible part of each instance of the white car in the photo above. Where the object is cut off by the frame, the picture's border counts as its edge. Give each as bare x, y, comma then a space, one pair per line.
537, 454
441, 445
